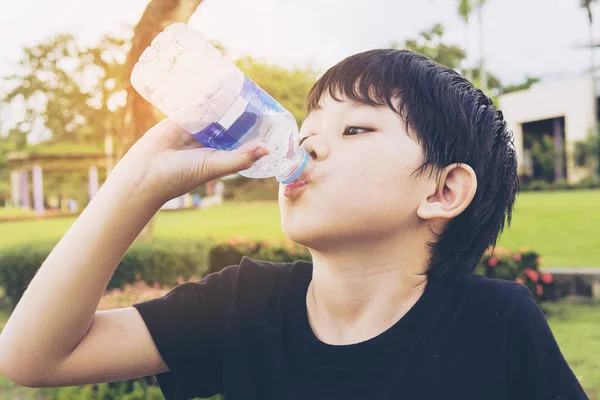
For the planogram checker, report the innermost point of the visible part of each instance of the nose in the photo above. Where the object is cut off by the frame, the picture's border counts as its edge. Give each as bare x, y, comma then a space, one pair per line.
316, 147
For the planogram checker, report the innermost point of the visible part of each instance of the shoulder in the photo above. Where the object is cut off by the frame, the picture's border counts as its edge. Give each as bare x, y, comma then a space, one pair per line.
494, 288
491, 297
254, 274
256, 283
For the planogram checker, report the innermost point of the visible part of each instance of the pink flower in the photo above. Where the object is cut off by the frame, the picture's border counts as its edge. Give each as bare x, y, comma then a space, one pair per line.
517, 256
520, 281
492, 262
547, 278
531, 274
539, 289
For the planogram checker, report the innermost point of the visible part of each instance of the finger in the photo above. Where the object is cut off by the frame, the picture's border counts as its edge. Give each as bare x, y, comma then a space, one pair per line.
223, 162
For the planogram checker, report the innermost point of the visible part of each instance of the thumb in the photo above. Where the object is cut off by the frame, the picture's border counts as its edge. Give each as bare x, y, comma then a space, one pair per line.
226, 162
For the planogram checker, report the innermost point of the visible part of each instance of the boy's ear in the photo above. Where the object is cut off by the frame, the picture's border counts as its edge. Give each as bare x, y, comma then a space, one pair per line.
453, 193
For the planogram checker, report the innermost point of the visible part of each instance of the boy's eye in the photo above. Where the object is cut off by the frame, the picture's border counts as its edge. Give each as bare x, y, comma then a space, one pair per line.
355, 130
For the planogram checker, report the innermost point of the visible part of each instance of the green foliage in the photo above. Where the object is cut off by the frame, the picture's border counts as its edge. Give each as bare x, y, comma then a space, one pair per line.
289, 87
493, 82
543, 153
529, 81
18, 266
134, 389
465, 7
430, 44
587, 150
522, 266
222, 255
75, 92
162, 261
539, 185
247, 189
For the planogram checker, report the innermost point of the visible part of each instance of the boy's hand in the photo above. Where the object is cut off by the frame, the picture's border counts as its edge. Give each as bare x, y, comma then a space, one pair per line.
175, 163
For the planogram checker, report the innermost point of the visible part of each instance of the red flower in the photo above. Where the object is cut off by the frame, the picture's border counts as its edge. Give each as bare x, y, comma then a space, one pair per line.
531, 274
547, 278
539, 289
517, 256
492, 262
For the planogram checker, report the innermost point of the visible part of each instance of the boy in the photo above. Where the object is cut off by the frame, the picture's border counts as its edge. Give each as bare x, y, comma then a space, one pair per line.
414, 176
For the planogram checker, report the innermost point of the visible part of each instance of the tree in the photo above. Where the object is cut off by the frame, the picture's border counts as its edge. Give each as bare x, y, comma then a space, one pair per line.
587, 5
587, 152
544, 155
529, 81
70, 90
288, 87
430, 44
494, 84
465, 8
139, 114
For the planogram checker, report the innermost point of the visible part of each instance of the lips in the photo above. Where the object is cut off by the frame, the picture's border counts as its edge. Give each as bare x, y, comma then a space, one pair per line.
292, 191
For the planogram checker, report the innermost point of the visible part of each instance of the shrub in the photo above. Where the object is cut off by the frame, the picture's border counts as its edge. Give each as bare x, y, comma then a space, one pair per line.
589, 183
245, 189
162, 261
536, 186
137, 292
539, 185
229, 253
134, 389
523, 266
18, 266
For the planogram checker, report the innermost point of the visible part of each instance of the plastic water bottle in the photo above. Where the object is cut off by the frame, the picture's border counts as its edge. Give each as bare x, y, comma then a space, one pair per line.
190, 81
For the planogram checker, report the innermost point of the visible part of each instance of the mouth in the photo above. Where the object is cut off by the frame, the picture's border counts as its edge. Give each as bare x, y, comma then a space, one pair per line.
293, 190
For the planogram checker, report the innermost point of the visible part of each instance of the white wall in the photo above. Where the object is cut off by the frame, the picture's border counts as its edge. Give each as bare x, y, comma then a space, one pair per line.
572, 99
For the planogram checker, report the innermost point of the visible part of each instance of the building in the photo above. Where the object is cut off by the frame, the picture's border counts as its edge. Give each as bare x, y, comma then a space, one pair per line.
560, 111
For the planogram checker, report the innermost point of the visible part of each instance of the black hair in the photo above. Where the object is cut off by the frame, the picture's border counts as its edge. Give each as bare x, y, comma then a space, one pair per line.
454, 122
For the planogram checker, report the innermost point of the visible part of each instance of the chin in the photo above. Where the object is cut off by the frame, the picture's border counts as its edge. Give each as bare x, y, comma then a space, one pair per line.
316, 232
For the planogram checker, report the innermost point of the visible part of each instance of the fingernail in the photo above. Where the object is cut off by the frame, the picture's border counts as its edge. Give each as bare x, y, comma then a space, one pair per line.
260, 152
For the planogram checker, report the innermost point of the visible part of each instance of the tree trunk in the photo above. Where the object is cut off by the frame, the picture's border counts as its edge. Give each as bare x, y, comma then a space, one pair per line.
139, 114
593, 71
482, 73
469, 70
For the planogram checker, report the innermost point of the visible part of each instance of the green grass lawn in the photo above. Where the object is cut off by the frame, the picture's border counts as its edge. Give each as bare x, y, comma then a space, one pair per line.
13, 212
575, 326
564, 227
577, 331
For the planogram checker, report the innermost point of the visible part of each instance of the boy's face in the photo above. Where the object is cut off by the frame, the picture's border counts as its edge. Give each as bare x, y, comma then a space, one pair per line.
361, 187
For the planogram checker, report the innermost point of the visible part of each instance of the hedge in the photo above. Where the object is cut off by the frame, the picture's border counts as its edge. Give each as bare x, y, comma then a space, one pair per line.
231, 252
168, 262
543, 186
162, 261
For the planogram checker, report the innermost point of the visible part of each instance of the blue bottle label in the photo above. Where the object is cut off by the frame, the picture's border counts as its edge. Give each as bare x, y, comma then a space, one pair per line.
251, 105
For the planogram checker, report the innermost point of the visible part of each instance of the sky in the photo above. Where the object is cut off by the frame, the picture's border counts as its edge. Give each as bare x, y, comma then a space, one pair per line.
521, 37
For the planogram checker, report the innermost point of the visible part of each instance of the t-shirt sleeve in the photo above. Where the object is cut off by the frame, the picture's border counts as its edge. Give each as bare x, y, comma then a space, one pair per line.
187, 326
536, 368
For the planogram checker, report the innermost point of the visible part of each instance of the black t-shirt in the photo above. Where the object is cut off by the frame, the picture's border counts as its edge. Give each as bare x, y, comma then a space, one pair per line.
244, 332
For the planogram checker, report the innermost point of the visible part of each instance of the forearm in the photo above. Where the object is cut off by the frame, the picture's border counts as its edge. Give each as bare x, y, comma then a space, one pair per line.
58, 306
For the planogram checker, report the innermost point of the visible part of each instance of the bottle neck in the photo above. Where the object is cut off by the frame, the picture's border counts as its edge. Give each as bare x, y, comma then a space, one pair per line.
298, 169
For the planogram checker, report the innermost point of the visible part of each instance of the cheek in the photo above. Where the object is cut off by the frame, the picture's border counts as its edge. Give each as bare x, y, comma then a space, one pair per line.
373, 197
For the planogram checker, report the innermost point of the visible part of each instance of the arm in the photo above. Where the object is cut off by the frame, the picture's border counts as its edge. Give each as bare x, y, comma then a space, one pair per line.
55, 337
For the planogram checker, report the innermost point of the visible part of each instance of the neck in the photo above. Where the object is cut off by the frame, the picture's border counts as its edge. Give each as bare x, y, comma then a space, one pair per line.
362, 290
